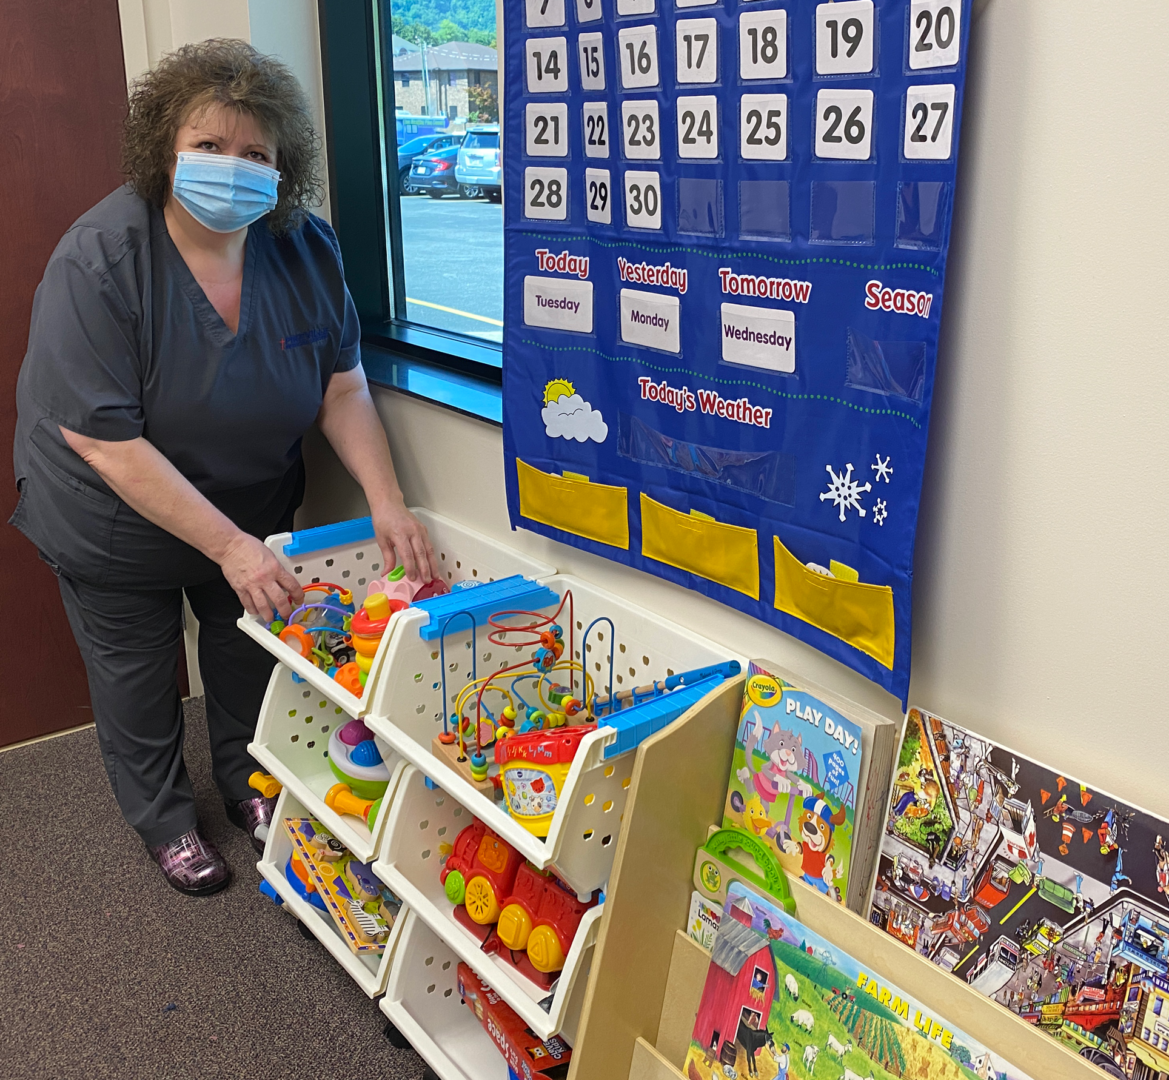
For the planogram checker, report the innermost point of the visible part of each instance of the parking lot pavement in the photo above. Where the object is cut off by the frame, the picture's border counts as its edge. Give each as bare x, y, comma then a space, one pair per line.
453, 251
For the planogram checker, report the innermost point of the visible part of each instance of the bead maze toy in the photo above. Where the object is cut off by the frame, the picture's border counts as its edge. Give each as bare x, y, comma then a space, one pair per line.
524, 915
530, 763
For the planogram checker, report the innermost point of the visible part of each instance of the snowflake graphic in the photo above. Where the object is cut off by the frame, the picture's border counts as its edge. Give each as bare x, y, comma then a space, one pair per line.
844, 491
883, 469
880, 512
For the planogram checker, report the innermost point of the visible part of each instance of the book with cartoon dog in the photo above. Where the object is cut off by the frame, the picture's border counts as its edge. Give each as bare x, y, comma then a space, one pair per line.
808, 766
781, 1002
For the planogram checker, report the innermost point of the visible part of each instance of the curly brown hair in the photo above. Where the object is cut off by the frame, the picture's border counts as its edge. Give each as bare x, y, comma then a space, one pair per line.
228, 72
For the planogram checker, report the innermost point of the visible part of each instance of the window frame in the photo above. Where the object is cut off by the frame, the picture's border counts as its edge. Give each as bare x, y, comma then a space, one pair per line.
366, 215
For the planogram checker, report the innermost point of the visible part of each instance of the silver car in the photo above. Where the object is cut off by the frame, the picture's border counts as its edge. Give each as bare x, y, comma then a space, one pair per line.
477, 169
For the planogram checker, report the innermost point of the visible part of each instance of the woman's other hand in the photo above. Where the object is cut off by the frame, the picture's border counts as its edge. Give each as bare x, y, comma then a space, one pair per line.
261, 583
403, 539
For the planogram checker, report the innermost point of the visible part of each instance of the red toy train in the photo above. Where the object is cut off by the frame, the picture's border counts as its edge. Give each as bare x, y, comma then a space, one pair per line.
531, 910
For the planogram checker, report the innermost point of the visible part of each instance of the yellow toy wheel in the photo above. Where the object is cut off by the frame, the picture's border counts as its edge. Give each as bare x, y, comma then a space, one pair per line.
514, 927
481, 902
544, 950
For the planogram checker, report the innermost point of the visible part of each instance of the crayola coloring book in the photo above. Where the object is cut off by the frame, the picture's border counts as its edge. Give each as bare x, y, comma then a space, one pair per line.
798, 774
781, 1002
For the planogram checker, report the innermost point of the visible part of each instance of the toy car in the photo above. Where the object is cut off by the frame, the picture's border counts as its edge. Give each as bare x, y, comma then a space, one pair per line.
481, 868
531, 910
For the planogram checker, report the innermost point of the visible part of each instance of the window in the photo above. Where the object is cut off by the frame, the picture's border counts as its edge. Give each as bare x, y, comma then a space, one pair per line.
415, 185
1157, 1003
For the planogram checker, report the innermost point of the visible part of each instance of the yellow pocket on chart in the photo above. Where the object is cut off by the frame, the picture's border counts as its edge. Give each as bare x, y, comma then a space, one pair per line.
575, 504
853, 611
726, 554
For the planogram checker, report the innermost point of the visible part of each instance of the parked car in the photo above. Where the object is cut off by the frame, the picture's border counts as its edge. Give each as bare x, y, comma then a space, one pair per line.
434, 173
416, 147
478, 170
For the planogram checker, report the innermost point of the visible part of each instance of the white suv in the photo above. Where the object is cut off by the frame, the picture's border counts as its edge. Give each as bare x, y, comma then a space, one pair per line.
477, 169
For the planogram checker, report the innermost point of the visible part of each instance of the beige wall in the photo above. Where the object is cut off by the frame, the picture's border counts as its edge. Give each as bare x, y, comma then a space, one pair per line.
1040, 593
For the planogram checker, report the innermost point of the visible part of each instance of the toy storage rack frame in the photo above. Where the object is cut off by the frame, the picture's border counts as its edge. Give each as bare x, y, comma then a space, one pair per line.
647, 974
581, 841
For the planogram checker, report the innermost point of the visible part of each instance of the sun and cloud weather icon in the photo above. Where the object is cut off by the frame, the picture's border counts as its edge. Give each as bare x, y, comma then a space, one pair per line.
567, 415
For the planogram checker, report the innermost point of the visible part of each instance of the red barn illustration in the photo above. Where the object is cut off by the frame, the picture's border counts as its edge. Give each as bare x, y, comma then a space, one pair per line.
740, 985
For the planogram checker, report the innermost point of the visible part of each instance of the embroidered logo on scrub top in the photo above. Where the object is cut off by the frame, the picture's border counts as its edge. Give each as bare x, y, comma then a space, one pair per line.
309, 337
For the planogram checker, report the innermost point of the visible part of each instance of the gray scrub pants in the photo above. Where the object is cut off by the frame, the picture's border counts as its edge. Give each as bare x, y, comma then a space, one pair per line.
129, 640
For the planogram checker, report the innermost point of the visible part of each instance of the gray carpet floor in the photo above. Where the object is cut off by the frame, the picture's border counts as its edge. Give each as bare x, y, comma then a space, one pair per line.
105, 971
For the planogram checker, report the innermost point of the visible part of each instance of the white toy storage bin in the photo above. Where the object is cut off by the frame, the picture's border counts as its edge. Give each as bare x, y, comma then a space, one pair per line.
583, 835
292, 742
349, 556
422, 1001
370, 972
422, 820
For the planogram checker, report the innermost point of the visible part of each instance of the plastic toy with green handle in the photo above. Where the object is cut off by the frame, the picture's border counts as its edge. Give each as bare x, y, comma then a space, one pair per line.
713, 870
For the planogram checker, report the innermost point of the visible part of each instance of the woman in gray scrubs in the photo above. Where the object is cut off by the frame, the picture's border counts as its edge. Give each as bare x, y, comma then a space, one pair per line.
188, 331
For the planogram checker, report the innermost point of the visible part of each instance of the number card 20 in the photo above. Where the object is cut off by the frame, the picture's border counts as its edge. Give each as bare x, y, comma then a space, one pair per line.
643, 200
844, 124
546, 194
934, 33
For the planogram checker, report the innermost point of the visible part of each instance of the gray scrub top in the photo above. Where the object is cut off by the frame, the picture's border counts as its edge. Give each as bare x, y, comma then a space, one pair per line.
124, 343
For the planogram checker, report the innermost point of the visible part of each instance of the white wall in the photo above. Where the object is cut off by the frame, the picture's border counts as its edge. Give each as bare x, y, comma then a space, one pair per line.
1040, 594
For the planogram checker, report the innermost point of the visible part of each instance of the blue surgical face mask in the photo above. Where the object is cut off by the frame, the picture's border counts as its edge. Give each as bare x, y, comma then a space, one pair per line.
223, 192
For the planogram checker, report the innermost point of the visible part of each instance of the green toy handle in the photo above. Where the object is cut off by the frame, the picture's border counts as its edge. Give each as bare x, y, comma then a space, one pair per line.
771, 876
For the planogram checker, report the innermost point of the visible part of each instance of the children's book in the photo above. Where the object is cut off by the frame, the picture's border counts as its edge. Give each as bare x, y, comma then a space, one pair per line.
804, 761
1050, 896
781, 1002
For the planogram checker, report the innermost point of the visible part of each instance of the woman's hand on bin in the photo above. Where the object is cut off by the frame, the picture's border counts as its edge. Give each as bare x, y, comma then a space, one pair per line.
261, 583
403, 539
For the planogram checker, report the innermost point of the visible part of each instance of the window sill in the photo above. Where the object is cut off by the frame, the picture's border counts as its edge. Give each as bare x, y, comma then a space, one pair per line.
416, 376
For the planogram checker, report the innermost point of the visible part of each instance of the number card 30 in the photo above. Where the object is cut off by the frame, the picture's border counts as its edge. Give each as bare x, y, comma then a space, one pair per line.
643, 200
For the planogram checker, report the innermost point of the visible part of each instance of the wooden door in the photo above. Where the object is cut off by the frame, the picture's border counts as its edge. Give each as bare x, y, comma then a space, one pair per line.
62, 100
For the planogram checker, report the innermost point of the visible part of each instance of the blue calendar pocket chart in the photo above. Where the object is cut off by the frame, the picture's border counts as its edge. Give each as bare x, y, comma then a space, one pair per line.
726, 230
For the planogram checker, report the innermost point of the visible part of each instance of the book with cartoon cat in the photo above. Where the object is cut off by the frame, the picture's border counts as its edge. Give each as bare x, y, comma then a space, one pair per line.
808, 778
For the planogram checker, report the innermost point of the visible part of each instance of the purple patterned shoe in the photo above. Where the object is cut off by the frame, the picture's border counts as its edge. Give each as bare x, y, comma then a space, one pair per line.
192, 865
254, 816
